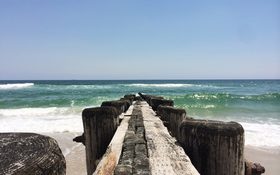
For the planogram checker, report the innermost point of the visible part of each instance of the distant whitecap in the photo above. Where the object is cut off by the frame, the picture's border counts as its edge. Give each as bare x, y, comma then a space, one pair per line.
16, 85
162, 85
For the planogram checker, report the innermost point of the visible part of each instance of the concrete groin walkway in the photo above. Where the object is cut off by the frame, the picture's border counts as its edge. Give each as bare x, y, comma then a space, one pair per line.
142, 145
165, 156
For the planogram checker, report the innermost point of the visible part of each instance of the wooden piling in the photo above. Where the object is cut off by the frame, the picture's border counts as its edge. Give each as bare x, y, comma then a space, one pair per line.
172, 117
120, 105
148, 98
100, 125
214, 147
128, 102
131, 97
155, 102
30, 154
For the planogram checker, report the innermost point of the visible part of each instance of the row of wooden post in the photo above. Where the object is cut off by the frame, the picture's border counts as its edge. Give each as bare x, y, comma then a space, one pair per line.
100, 124
214, 147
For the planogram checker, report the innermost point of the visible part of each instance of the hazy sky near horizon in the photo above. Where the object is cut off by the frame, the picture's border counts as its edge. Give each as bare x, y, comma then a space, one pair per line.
144, 39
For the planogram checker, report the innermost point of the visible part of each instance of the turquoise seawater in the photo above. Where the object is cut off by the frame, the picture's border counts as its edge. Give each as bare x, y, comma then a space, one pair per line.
56, 106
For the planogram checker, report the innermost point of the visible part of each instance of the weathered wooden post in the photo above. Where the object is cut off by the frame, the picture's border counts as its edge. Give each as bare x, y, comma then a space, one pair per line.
30, 154
163, 114
173, 118
138, 98
131, 97
148, 98
214, 147
128, 102
100, 125
142, 96
120, 105
155, 102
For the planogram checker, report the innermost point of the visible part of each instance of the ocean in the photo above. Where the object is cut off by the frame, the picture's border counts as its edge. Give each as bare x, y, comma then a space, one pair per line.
56, 106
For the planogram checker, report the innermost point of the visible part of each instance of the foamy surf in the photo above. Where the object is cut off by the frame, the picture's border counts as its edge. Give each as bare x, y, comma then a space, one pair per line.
163, 85
68, 119
264, 136
15, 86
41, 120
56, 106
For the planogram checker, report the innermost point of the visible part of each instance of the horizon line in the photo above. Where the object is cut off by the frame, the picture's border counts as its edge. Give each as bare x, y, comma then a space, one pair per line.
138, 79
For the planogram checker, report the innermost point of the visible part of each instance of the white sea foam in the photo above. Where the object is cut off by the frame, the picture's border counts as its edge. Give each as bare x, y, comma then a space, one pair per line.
170, 85
163, 85
265, 136
262, 135
16, 85
41, 120
204, 96
209, 106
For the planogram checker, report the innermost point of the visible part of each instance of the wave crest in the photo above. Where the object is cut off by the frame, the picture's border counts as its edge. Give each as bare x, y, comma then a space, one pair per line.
16, 85
49, 120
227, 96
263, 135
162, 85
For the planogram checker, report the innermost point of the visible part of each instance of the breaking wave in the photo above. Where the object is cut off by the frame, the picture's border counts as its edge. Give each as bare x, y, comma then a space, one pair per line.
41, 120
168, 85
16, 86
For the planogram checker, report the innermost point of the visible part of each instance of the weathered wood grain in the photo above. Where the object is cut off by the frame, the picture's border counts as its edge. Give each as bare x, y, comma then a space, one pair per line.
155, 102
173, 117
100, 125
214, 147
165, 156
30, 154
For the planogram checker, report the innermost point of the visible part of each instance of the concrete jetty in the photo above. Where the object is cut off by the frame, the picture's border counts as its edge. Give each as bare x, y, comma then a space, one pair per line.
155, 138
140, 145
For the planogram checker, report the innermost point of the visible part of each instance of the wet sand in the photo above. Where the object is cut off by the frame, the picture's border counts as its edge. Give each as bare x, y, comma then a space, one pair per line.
76, 161
269, 160
73, 152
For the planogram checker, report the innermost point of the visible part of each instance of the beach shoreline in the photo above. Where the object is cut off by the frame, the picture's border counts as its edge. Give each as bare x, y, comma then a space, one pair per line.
73, 152
268, 159
54, 109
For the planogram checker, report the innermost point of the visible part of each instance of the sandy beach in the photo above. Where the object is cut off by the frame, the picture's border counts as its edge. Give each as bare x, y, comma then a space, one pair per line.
267, 159
76, 164
73, 152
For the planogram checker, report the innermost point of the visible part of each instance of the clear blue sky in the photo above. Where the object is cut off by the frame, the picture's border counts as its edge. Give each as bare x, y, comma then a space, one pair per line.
139, 39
